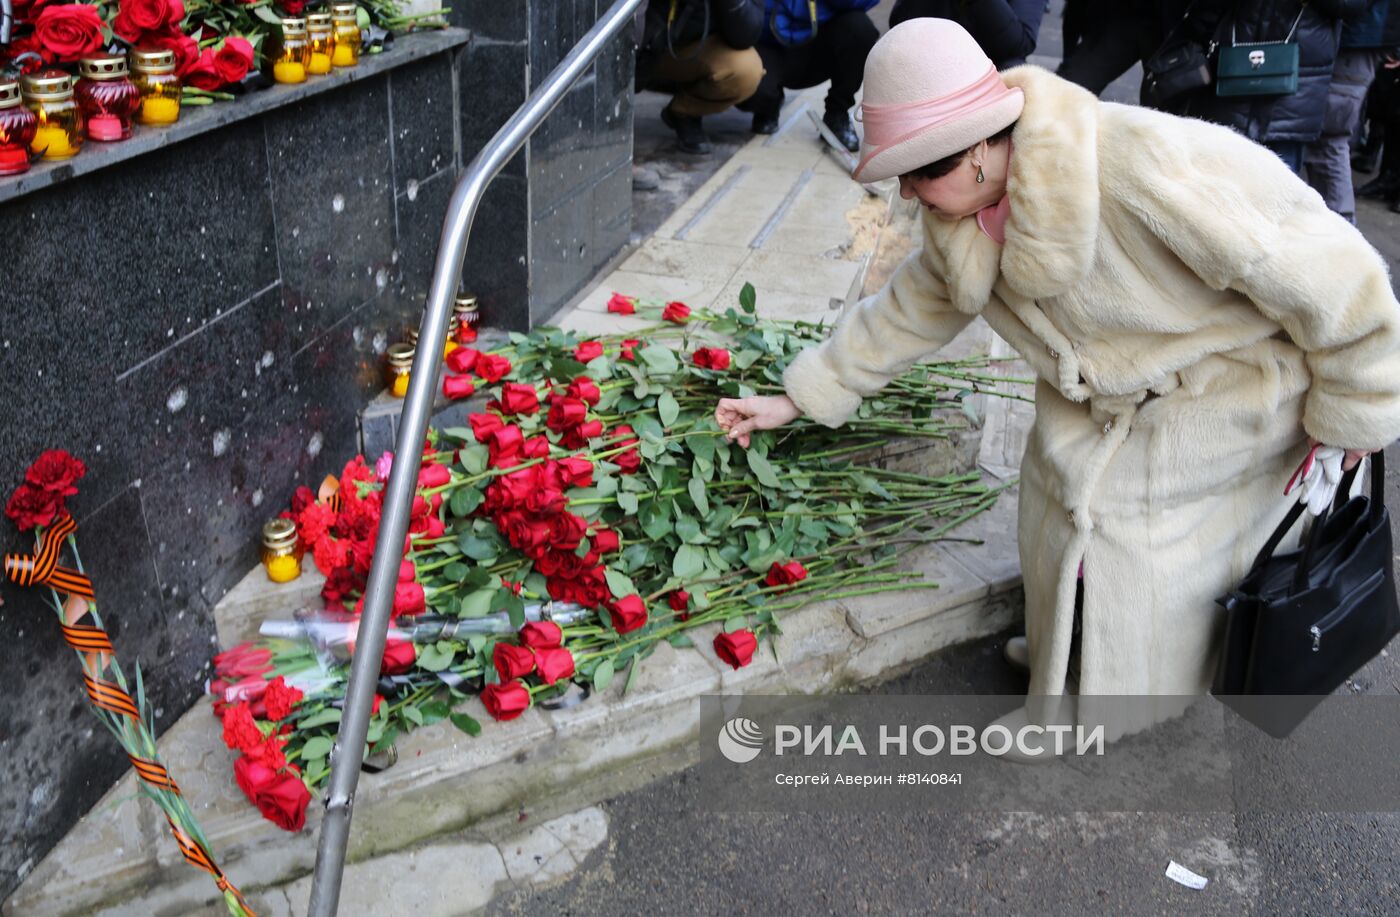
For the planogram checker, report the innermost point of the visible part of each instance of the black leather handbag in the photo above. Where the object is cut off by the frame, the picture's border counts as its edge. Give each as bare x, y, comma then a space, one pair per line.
1176, 69
1300, 623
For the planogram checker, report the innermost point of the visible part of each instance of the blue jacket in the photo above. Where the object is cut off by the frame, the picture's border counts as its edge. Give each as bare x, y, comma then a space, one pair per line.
1369, 30
789, 22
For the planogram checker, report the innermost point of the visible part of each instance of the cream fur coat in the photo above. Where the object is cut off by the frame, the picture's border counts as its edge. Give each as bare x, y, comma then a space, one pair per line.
1193, 311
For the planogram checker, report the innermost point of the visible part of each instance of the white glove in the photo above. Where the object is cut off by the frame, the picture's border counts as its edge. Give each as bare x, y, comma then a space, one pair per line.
1317, 478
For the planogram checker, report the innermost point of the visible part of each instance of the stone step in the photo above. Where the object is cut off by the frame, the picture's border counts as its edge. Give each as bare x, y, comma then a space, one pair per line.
119, 860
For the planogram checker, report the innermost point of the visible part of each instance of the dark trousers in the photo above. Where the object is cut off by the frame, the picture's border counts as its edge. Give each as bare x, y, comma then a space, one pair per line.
1109, 47
837, 54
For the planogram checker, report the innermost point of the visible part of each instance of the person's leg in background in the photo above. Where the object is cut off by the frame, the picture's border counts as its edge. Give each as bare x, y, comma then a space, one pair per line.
1290, 151
837, 53
1328, 159
712, 77
1107, 49
1383, 108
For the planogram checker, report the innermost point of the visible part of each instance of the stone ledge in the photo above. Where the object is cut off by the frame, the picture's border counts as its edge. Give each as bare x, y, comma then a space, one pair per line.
118, 858
197, 120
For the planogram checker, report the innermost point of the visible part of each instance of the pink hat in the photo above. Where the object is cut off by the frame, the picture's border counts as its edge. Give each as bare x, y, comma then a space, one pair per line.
930, 92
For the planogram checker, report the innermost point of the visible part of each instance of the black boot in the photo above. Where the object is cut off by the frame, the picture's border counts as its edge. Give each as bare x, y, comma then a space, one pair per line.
690, 136
1383, 187
764, 123
839, 123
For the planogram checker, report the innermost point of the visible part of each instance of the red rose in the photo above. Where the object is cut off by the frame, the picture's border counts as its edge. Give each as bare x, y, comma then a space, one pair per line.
409, 599
518, 398
483, 425
492, 367
463, 359
512, 661
234, 59
555, 664
712, 358
280, 698
679, 600
506, 445
281, 798
588, 350
605, 541
69, 32
586, 390
136, 17
378, 699
455, 388
407, 572
536, 447
547, 501
399, 656
506, 701
566, 413
240, 729
434, 475
676, 312
577, 471
627, 346
292, 7
541, 635
29, 506
785, 574
736, 648
628, 613
203, 74
622, 305
186, 48
628, 461
56, 472
243, 660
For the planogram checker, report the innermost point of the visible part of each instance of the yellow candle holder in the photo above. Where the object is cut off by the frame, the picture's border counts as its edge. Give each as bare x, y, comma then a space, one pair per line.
345, 50
398, 363
282, 551
322, 37
49, 94
293, 58
153, 72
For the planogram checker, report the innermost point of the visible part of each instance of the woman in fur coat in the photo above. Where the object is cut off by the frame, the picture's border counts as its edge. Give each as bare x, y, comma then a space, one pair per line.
1195, 316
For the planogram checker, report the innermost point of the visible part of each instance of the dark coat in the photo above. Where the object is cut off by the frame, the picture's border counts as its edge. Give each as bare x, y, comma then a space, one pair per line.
1366, 32
738, 22
1390, 34
1006, 29
1269, 119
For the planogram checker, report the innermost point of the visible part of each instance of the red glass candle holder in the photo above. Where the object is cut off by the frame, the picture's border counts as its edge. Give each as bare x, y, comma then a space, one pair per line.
17, 126
107, 97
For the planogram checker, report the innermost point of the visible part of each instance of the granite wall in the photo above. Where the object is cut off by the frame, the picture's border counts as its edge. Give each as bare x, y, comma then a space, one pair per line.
203, 323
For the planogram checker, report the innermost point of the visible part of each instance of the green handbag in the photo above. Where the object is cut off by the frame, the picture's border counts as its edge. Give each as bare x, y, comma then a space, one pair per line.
1259, 68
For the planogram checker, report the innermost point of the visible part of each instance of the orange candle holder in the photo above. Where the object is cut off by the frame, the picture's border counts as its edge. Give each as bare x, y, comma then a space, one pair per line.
398, 362
154, 74
282, 551
293, 59
322, 37
59, 132
345, 50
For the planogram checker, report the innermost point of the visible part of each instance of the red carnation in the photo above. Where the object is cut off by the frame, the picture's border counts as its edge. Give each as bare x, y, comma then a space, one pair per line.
622, 305
785, 574
29, 506
455, 388
463, 359
241, 731
588, 350
281, 798
736, 648
541, 635
555, 664
512, 661
280, 698
491, 367
628, 613
711, 358
676, 312
506, 701
269, 752
56, 472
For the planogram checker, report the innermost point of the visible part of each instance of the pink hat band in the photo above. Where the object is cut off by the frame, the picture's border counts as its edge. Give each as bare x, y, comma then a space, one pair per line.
888, 126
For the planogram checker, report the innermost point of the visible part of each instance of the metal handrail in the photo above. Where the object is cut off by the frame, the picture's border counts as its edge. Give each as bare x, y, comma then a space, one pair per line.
408, 454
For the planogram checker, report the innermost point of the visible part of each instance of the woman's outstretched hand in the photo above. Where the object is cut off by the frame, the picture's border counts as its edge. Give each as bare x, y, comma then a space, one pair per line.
739, 417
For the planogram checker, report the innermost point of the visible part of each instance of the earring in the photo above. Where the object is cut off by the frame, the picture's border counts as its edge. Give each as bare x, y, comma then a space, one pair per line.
980, 177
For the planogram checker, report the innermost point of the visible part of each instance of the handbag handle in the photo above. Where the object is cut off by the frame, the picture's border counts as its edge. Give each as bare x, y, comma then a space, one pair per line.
1300, 578
1291, 32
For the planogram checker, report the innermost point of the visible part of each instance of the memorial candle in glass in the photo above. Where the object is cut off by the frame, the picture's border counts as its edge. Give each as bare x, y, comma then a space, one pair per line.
159, 85
17, 125
107, 97
294, 53
346, 50
49, 95
318, 26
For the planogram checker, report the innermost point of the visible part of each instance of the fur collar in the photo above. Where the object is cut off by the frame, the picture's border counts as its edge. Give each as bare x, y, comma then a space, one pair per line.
1053, 185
